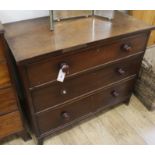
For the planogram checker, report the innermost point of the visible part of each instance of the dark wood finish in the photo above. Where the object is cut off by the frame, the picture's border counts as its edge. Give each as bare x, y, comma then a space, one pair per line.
63, 115
24, 135
127, 47
58, 93
34, 38
115, 94
10, 124
64, 67
40, 141
101, 59
7, 101
95, 57
52, 119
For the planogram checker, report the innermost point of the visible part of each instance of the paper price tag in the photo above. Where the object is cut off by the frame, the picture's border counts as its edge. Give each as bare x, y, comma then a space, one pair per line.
61, 76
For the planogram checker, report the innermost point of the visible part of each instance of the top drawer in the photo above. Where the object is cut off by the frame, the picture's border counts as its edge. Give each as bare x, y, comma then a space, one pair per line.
47, 70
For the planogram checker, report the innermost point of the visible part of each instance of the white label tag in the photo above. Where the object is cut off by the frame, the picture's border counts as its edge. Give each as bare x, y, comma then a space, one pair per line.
61, 76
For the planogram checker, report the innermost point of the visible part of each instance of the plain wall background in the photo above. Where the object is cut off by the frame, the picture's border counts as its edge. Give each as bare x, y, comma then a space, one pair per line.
7, 16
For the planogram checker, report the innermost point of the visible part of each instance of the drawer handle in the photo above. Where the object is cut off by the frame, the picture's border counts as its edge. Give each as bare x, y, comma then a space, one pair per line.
64, 67
127, 48
120, 71
115, 94
65, 116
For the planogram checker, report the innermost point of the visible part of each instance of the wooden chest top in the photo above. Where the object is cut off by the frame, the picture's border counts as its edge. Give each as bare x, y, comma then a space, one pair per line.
33, 38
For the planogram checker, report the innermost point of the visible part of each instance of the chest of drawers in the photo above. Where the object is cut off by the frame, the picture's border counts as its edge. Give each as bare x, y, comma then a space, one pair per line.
101, 60
10, 116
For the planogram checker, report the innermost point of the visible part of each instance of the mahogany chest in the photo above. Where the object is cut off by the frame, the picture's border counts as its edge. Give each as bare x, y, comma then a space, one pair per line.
11, 120
100, 58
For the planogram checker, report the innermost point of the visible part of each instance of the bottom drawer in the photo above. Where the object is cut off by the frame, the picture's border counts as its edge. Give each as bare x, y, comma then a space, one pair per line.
54, 118
113, 95
9, 124
65, 114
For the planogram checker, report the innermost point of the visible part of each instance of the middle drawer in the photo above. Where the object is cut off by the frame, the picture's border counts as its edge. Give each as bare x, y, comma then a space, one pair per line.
58, 93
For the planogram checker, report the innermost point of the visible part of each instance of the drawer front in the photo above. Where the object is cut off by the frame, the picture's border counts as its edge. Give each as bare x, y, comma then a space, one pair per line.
113, 95
57, 93
1, 49
47, 70
10, 124
7, 101
52, 119
4, 75
61, 116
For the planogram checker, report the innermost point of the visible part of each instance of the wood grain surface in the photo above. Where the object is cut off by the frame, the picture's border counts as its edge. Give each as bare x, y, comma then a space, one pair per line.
84, 46
10, 124
4, 75
34, 38
76, 60
7, 101
10, 116
147, 16
133, 125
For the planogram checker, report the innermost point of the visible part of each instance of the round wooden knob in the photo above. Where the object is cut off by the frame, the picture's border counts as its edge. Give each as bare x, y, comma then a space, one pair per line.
115, 94
120, 71
65, 116
65, 68
127, 48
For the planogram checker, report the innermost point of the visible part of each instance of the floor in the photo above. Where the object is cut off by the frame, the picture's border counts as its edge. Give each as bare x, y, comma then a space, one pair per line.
132, 124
